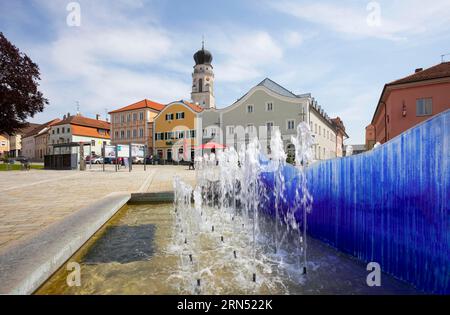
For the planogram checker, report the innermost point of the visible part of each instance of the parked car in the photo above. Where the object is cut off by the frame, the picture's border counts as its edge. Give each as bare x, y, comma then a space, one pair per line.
110, 160
21, 159
97, 160
138, 160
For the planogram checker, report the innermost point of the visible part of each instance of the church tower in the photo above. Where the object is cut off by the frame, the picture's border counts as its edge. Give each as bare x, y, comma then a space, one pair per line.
203, 79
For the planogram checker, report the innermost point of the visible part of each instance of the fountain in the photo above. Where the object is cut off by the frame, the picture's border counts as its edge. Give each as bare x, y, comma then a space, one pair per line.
240, 200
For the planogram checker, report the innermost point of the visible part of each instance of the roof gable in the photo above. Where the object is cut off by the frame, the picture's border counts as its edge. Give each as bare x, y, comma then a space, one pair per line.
275, 87
145, 103
441, 70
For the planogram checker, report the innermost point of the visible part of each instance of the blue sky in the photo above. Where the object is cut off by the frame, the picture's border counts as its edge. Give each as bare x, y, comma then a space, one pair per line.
125, 51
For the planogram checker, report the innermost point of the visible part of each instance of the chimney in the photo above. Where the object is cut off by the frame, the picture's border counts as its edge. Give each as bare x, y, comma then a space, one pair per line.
68, 115
64, 117
418, 70
97, 116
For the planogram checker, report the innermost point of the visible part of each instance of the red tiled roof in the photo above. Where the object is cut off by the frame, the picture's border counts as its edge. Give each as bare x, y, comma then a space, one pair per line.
441, 70
78, 130
84, 121
194, 107
38, 129
141, 104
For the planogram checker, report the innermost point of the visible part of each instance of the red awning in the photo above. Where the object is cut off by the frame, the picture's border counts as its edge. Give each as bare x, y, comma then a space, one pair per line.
210, 145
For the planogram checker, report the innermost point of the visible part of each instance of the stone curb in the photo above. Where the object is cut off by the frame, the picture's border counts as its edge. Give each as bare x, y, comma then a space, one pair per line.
27, 264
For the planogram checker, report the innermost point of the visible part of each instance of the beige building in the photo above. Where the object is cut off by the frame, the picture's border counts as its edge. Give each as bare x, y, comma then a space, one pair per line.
134, 123
4, 145
35, 142
15, 141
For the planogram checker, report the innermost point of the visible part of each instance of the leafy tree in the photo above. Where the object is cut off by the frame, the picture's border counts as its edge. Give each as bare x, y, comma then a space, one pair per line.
19, 94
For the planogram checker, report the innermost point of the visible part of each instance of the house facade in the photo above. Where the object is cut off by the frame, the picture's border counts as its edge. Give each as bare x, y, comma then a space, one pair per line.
15, 140
177, 131
4, 145
409, 101
34, 143
268, 106
134, 123
75, 129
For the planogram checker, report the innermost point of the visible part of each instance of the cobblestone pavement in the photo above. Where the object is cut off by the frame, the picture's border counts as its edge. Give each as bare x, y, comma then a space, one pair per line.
30, 201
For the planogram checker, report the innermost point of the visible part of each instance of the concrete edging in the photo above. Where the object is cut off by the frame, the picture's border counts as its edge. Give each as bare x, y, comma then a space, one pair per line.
27, 264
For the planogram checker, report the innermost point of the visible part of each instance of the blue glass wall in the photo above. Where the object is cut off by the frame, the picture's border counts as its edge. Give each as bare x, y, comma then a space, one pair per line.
389, 205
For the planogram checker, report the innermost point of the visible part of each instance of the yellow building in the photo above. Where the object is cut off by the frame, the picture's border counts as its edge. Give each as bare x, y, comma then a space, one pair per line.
177, 131
4, 145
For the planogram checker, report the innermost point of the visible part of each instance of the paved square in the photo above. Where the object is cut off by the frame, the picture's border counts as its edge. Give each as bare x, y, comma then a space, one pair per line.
30, 201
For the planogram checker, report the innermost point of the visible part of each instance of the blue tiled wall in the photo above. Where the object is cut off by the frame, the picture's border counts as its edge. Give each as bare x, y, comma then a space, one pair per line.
389, 205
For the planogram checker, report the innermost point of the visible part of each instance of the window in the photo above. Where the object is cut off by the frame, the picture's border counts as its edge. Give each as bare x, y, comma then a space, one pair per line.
128, 134
128, 117
62, 130
269, 126
141, 132
424, 106
93, 143
230, 130
269, 106
68, 129
116, 135
200, 85
57, 130
134, 116
180, 115
134, 133
291, 124
249, 108
141, 116
315, 128
53, 131
169, 116
122, 134
320, 131
122, 118
192, 133
250, 128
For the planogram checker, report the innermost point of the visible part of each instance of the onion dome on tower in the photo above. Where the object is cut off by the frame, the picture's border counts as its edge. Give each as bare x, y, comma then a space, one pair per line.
203, 56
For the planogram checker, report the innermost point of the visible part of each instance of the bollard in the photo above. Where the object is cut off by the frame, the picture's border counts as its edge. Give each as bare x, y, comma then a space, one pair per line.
234, 253
212, 228
198, 282
221, 238
254, 277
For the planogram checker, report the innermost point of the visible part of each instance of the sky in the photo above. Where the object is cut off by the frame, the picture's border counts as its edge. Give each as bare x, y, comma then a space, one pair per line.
342, 52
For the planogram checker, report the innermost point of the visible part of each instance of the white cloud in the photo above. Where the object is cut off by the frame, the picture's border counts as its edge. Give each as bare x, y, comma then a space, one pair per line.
293, 38
245, 55
398, 19
108, 62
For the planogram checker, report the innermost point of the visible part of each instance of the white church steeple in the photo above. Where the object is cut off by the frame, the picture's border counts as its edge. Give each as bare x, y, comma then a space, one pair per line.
203, 79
